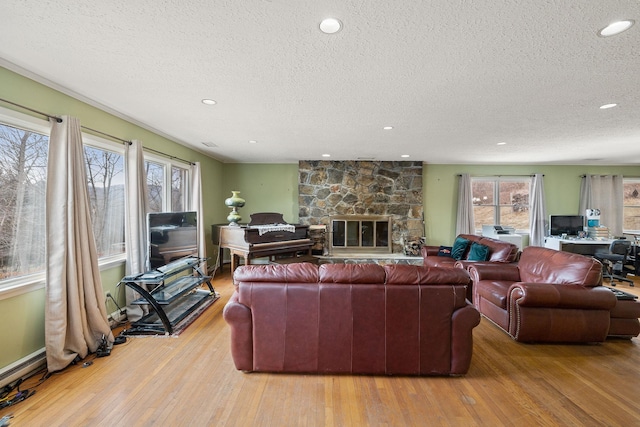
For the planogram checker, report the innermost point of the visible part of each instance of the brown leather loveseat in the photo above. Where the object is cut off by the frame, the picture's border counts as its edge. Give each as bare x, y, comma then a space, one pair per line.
549, 296
496, 251
351, 319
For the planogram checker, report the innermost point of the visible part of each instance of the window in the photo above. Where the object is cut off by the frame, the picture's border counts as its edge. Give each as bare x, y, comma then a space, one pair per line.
168, 192
501, 201
179, 179
105, 184
23, 177
631, 205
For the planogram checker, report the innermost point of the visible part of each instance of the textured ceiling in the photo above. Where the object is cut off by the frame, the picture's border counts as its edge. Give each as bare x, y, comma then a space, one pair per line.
454, 78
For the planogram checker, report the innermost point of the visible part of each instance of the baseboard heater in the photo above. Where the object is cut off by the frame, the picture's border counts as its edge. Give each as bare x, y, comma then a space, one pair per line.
23, 367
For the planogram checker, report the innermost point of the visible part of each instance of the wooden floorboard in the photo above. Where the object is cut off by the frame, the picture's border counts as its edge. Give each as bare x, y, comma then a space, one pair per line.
191, 381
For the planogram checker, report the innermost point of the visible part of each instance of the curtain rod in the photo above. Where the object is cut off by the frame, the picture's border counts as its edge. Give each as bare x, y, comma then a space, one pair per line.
48, 116
594, 174
124, 141
499, 176
169, 156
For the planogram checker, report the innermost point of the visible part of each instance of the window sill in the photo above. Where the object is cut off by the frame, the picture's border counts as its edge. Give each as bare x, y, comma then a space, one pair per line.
23, 285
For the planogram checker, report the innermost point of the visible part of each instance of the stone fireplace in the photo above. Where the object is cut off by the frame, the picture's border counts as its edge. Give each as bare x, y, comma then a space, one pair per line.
362, 192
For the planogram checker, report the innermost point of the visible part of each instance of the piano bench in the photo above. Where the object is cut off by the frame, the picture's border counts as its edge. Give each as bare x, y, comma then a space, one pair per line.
294, 259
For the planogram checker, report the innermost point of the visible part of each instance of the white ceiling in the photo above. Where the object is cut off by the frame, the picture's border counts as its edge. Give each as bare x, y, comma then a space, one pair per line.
453, 77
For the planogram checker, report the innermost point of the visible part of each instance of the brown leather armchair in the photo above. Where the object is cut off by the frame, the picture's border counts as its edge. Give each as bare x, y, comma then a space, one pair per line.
548, 296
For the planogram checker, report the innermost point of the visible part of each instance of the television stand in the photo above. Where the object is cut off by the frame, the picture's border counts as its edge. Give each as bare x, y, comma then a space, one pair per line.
173, 291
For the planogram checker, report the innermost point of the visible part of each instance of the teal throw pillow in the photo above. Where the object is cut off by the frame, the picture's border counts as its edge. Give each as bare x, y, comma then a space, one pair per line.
459, 247
478, 252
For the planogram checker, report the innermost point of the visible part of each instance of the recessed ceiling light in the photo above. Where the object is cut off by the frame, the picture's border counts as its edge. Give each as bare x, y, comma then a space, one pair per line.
326, 155
606, 106
330, 26
253, 141
209, 102
387, 127
501, 143
615, 28
405, 156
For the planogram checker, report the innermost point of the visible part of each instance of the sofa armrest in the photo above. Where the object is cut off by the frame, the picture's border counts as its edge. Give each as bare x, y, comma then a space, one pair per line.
238, 317
482, 270
462, 323
429, 251
552, 295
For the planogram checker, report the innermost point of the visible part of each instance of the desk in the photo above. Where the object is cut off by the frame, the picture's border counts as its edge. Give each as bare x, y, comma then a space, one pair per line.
584, 246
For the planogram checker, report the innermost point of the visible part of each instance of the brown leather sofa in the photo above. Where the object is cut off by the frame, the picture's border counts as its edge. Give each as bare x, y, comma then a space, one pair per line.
548, 296
351, 319
498, 251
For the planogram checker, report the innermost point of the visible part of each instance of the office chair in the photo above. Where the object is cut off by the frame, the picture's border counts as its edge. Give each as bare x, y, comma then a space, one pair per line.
614, 261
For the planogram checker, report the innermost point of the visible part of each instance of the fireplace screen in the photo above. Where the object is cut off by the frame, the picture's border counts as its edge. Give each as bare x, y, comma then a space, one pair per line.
361, 234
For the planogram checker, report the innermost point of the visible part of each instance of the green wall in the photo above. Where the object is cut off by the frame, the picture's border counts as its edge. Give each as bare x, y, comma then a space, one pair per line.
21, 338
265, 188
561, 184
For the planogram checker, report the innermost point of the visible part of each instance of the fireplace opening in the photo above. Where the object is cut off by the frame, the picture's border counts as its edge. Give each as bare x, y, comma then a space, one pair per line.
360, 234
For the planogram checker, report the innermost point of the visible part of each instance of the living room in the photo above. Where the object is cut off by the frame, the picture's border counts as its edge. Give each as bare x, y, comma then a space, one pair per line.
273, 187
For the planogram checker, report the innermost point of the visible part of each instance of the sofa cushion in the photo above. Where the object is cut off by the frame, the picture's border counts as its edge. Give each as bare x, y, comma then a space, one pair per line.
351, 273
406, 274
478, 252
542, 265
494, 291
459, 247
287, 273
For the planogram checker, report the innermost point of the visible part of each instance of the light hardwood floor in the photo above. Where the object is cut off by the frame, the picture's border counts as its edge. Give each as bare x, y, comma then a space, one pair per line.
191, 381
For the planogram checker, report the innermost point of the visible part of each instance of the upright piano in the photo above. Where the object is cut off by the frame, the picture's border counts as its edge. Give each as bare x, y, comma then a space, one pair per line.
266, 235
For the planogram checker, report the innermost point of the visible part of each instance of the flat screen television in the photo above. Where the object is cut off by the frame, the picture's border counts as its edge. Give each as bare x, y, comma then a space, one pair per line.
570, 225
171, 235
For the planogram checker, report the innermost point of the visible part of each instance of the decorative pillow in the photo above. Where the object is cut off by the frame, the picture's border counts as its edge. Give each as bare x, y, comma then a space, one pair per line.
459, 247
444, 251
478, 252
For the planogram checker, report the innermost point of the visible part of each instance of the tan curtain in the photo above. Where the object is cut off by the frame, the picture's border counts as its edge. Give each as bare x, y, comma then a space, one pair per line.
604, 192
136, 208
464, 221
196, 205
538, 212
75, 313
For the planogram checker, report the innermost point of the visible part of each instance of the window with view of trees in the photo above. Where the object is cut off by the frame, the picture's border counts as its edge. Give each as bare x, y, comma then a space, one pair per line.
179, 181
155, 185
501, 201
23, 177
105, 183
159, 200
631, 205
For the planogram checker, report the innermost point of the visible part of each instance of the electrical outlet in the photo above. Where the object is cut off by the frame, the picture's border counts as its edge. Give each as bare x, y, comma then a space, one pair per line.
108, 294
